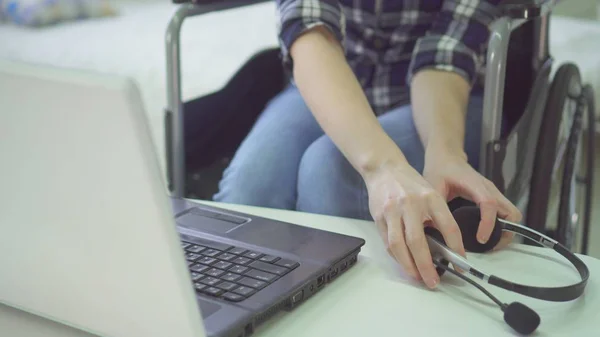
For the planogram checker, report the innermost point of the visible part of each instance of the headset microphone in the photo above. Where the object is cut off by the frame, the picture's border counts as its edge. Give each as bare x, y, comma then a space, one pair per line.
521, 318
517, 315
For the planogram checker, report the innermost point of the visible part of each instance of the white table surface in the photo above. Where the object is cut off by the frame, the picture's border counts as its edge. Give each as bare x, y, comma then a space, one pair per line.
374, 298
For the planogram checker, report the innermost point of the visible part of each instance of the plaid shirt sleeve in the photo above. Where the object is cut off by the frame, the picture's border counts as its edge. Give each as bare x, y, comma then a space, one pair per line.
457, 39
297, 16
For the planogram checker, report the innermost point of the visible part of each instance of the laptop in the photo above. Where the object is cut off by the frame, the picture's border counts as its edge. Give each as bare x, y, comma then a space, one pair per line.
90, 238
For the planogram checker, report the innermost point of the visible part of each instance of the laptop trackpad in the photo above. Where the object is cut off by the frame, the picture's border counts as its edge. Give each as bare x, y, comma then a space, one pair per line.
205, 220
208, 308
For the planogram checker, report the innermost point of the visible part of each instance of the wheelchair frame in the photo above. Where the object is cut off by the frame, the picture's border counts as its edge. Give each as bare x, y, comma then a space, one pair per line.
500, 150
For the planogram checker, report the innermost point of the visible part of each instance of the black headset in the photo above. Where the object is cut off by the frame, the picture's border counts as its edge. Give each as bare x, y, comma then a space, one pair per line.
520, 317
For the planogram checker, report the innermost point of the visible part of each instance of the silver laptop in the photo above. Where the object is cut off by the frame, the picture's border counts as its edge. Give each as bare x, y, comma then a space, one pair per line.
89, 237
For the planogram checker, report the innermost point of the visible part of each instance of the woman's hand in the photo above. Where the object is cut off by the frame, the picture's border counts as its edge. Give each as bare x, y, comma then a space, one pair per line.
402, 203
440, 102
452, 176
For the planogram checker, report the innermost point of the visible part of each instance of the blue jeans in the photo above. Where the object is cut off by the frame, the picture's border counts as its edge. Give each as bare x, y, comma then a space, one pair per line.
287, 161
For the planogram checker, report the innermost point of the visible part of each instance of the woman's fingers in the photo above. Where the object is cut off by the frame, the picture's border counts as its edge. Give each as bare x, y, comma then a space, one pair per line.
396, 243
505, 240
444, 221
494, 204
506, 209
489, 212
417, 244
406, 238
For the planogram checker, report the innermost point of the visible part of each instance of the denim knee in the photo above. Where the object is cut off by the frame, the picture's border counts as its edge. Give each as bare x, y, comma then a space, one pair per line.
328, 184
264, 169
250, 183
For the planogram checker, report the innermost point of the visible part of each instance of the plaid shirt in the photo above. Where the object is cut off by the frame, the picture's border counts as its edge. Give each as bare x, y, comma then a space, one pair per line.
387, 41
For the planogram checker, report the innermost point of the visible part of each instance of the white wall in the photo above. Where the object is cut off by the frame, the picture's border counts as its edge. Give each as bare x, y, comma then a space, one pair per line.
583, 9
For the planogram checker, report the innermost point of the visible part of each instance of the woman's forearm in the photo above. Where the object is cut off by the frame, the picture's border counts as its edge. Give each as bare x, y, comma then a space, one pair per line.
439, 103
337, 101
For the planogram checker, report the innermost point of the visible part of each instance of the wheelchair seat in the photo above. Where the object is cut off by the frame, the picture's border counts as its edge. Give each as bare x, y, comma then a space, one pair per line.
216, 124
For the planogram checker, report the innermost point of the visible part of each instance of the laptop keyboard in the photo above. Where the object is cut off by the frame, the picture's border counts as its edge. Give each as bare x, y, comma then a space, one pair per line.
232, 273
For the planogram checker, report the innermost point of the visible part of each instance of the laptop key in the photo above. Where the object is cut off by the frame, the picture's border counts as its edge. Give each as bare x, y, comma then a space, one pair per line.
287, 263
231, 277
233, 297
237, 250
238, 269
273, 269
199, 286
213, 291
261, 275
253, 255
241, 260
227, 285
214, 272
226, 257
196, 276
198, 268
252, 283
211, 252
210, 281
222, 265
269, 258
207, 260
195, 249
207, 243
184, 245
192, 256
244, 291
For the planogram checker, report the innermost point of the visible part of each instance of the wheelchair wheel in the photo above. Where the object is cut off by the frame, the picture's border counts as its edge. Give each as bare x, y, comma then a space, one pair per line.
539, 208
574, 213
559, 202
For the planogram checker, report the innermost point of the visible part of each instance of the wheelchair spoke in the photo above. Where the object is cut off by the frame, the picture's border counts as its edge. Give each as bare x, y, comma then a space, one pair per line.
574, 202
564, 130
571, 199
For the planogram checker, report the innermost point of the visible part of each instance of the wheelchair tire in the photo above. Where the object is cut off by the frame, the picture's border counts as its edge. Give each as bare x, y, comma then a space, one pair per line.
589, 94
546, 150
569, 219
566, 225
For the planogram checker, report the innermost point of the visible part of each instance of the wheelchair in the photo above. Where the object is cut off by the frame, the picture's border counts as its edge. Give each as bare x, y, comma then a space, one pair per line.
538, 127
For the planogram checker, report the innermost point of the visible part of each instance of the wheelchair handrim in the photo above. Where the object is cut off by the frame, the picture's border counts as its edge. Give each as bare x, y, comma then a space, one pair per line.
569, 225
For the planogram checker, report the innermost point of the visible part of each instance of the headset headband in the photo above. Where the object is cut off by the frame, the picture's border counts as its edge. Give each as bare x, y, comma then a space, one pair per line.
442, 254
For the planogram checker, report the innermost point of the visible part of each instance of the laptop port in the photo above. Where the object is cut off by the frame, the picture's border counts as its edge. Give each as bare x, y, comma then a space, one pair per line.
320, 281
333, 274
344, 266
352, 261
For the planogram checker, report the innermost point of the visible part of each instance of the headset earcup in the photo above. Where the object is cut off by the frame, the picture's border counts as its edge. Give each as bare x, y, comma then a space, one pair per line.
469, 235
433, 232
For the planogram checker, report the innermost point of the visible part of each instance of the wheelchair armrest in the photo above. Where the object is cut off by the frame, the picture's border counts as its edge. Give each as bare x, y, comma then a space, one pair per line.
526, 9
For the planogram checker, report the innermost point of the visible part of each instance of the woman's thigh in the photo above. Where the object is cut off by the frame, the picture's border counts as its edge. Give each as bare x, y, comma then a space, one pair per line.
264, 169
328, 184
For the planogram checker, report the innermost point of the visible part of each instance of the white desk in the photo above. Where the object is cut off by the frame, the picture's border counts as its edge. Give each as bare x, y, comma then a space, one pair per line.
374, 299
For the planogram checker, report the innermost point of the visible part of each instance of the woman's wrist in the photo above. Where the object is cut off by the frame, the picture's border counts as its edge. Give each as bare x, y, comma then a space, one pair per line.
439, 147
381, 163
